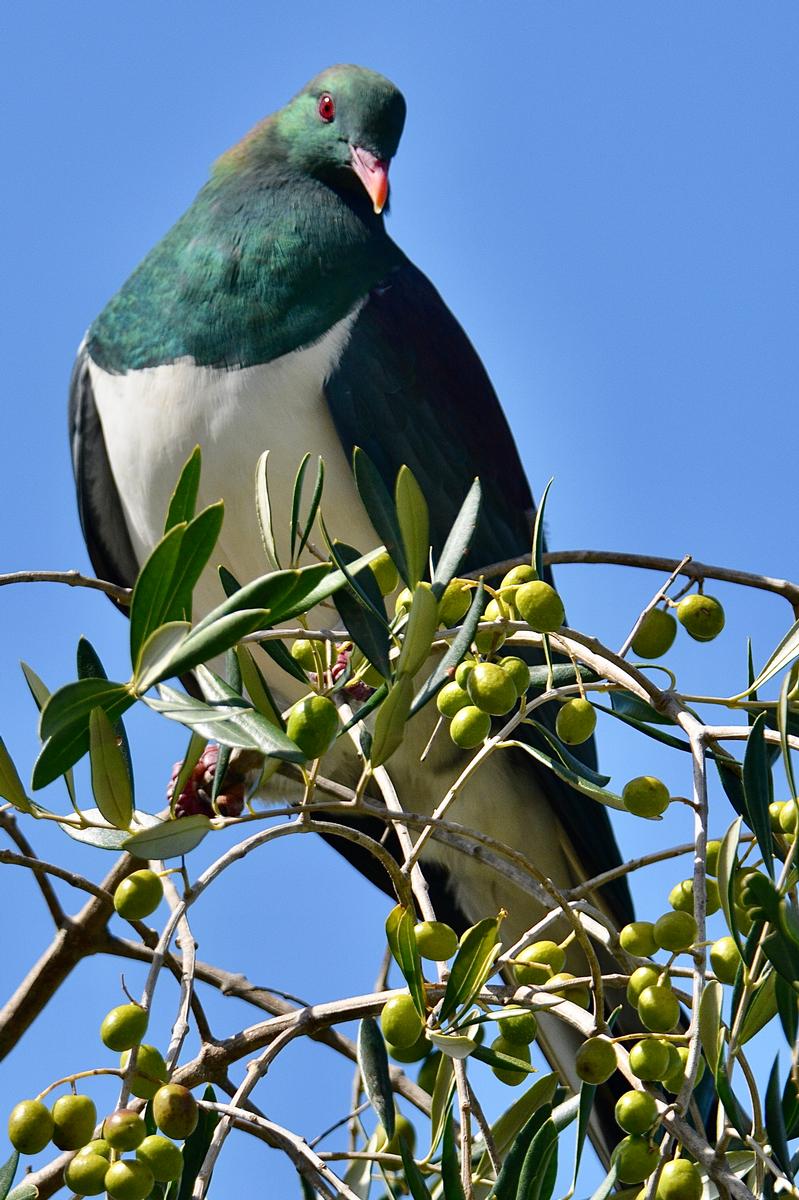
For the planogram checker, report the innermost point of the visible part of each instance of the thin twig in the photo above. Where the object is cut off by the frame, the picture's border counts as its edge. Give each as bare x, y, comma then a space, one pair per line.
73, 579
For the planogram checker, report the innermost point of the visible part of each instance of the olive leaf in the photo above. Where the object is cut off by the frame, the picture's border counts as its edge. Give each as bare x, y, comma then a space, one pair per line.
373, 1064
400, 924
473, 965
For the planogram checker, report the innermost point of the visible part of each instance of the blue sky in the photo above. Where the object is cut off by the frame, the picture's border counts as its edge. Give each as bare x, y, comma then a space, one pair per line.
606, 197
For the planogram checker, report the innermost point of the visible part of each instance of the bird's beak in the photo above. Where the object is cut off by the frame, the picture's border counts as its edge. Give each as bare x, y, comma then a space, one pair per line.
373, 174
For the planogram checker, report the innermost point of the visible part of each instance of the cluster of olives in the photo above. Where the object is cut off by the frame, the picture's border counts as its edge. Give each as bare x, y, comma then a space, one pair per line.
701, 616
401, 1024
480, 691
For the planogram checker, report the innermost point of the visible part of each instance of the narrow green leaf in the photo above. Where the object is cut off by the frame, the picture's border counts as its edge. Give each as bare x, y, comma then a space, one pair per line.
537, 1177
414, 523
203, 645
459, 539
419, 631
377, 698
450, 1167
381, 510
726, 871
450, 659
740, 1121
390, 721
63, 749
257, 688
198, 543
473, 965
400, 924
502, 1060
787, 1008
152, 589
276, 650
607, 1185
629, 705
507, 1126
11, 788
7, 1173
296, 501
710, 1027
313, 508
268, 592
263, 508
538, 533
169, 839
413, 1176
156, 653
196, 1146
110, 779
580, 784
761, 1009
90, 666
184, 498
775, 1124
441, 1100
758, 791
783, 655
197, 744
506, 1186
72, 704
40, 692
783, 723
373, 1064
101, 835
569, 760
361, 608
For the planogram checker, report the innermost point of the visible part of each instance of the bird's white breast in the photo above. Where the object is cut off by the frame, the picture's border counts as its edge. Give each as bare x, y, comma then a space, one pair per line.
153, 418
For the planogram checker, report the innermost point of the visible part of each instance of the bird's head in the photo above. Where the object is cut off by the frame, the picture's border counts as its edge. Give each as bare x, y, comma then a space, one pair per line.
343, 127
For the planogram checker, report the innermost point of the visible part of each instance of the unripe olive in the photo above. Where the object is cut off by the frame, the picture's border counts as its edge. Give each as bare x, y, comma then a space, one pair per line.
454, 603
129, 1179
638, 939
97, 1146
451, 699
175, 1111
636, 1112
138, 895
725, 959
85, 1174
788, 817
516, 576
642, 977
470, 727
149, 1073
701, 616
576, 721
304, 651
400, 1022
540, 606
679, 1180
124, 1026
463, 671
519, 672
30, 1126
514, 1050
655, 634
537, 963
491, 689
635, 1158
426, 1078
410, 1054
402, 605
312, 724
712, 856
774, 810
650, 1060
681, 896
435, 940
579, 995
74, 1119
675, 931
488, 641
519, 1027
124, 1129
658, 1008
386, 574
595, 1060
403, 1130
645, 796
163, 1157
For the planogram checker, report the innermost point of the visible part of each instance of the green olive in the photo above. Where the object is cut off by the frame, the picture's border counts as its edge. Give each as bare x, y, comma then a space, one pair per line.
595, 1060
163, 1157
645, 796
149, 1073
124, 1129
85, 1174
725, 959
679, 1180
635, 1158
655, 634
712, 856
488, 641
638, 939
519, 1027
675, 931
470, 727
636, 1112
650, 1060
384, 571
435, 940
491, 689
509, 1075
579, 994
701, 616
175, 1111
576, 721
658, 1008
305, 652
30, 1126
537, 963
519, 672
124, 1026
454, 603
74, 1118
540, 606
129, 1179
403, 1131
426, 1078
138, 895
312, 724
642, 977
451, 699
400, 1022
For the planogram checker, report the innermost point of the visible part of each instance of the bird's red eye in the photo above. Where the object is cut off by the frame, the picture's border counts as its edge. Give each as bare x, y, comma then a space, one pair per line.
327, 107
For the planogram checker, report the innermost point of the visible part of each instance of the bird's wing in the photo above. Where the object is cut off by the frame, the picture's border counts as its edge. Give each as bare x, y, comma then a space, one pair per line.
99, 505
410, 389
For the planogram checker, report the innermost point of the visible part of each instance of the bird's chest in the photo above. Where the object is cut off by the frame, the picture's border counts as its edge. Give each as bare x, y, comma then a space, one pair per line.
153, 418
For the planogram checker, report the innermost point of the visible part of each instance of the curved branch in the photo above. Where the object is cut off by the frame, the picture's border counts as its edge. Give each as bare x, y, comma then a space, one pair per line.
122, 595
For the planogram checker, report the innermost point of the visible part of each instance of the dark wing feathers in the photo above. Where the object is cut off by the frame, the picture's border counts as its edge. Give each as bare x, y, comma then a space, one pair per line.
101, 517
409, 388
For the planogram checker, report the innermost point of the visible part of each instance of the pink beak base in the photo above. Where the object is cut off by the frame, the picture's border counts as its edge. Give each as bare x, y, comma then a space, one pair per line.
373, 174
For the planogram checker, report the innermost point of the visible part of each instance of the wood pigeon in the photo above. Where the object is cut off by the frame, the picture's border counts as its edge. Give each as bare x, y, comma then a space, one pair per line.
278, 313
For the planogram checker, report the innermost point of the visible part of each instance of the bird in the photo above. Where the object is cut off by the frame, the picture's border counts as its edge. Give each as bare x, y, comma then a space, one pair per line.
278, 313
